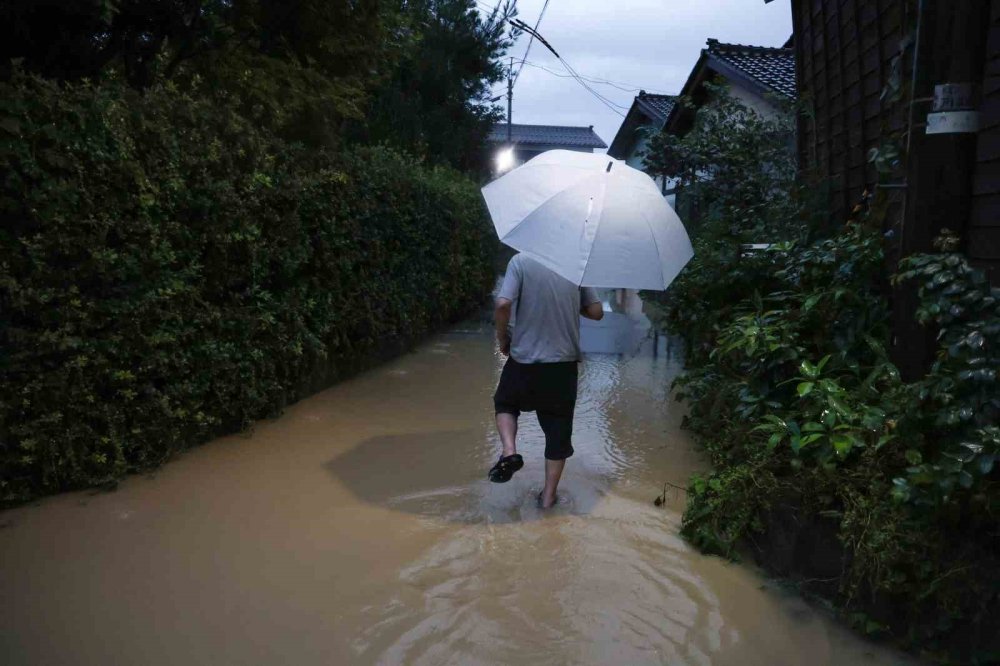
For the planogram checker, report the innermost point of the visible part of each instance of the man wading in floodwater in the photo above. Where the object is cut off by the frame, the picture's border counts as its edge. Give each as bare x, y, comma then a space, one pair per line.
540, 373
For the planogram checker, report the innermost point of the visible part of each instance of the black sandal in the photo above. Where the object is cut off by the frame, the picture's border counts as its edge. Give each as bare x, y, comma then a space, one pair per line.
505, 468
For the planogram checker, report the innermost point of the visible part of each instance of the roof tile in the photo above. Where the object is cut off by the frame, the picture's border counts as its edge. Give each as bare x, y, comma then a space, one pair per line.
657, 106
771, 67
549, 135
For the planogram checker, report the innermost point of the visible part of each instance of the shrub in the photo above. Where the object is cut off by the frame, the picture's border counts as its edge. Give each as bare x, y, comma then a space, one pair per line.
880, 495
806, 419
171, 272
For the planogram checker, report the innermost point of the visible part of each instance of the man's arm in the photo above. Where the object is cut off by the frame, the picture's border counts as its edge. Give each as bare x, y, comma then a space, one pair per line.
593, 311
510, 289
590, 305
501, 315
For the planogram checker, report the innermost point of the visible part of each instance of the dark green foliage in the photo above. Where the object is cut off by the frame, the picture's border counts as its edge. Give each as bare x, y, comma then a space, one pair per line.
148, 40
436, 101
734, 167
960, 396
170, 271
796, 374
798, 405
413, 75
299, 67
735, 179
809, 426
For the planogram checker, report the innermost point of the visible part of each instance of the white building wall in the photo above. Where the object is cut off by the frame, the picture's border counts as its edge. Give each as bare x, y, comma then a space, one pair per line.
634, 158
754, 101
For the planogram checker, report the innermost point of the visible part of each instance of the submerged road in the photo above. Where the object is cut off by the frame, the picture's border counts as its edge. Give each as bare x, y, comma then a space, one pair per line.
359, 528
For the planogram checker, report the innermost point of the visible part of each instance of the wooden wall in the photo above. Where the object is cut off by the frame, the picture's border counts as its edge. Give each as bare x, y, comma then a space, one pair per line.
984, 225
846, 54
844, 50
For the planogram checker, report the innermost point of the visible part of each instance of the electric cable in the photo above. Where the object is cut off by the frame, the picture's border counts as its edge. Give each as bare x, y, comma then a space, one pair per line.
569, 68
607, 102
620, 85
531, 41
571, 72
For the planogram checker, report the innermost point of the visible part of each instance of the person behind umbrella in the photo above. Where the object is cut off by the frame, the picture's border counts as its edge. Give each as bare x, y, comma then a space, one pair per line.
540, 374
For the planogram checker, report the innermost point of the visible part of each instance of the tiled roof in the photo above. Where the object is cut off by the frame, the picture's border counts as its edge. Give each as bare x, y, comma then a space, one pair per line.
547, 135
773, 68
657, 107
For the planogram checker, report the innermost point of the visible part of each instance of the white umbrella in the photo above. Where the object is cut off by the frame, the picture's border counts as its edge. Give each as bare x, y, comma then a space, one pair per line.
590, 218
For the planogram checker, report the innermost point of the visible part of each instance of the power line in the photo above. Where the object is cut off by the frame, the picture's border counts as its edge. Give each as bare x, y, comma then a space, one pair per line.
604, 100
487, 8
628, 87
524, 27
607, 102
532, 40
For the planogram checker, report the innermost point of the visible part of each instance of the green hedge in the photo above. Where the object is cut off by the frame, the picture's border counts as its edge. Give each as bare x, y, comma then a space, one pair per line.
169, 272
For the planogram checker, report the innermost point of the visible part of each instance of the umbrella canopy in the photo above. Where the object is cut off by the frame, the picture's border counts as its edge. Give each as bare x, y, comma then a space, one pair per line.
590, 218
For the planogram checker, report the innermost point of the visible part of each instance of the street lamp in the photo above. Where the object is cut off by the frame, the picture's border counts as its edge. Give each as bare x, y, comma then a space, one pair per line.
505, 159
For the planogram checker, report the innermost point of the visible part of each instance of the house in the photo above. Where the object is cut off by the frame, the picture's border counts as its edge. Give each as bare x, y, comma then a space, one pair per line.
531, 140
762, 78
913, 89
644, 118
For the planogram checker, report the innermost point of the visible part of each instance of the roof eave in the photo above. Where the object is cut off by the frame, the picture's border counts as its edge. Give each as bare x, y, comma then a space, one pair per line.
651, 112
693, 81
620, 143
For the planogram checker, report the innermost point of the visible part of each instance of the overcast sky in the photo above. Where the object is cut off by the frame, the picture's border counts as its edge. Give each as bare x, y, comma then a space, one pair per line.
648, 44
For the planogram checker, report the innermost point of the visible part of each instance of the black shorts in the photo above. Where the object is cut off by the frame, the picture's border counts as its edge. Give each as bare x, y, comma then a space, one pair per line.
548, 389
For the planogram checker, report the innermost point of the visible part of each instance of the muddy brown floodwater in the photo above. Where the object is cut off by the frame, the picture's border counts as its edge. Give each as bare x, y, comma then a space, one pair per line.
359, 528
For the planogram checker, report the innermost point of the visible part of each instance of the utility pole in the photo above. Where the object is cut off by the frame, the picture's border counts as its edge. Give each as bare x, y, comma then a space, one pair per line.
510, 95
510, 82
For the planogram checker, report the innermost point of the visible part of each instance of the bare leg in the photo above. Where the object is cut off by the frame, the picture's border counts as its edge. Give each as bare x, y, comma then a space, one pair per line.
507, 427
553, 472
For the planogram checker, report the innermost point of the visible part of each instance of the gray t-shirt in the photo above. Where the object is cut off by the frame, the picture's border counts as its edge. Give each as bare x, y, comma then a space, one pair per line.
546, 312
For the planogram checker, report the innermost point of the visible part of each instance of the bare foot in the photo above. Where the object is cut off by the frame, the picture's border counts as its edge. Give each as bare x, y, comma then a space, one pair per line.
546, 501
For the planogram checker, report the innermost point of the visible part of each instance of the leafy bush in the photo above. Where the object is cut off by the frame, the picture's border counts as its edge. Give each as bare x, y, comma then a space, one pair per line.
735, 180
170, 272
797, 374
799, 406
883, 495
960, 396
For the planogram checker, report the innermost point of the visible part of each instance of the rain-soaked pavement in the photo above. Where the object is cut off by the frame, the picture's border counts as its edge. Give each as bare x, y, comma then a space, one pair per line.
359, 528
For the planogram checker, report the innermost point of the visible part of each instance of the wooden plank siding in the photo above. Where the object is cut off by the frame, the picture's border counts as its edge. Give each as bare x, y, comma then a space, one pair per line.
983, 234
843, 52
